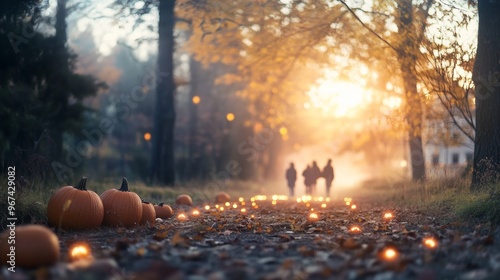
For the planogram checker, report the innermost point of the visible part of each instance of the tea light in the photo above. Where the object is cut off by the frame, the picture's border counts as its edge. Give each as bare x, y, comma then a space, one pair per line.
235, 206
348, 203
243, 203
227, 204
241, 199
388, 216
243, 210
327, 199
389, 254
196, 213
221, 208
79, 251
308, 205
274, 202
430, 243
355, 230
182, 217
320, 198
217, 206
313, 217
207, 207
353, 207
323, 205
299, 200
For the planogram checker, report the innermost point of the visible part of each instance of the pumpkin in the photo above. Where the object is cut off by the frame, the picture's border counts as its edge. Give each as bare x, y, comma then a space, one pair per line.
222, 197
35, 246
184, 199
75, 208
121, 207
148, 213
163, 211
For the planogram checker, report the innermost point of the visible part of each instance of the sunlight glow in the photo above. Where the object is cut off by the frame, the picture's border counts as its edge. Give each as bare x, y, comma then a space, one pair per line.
341, 98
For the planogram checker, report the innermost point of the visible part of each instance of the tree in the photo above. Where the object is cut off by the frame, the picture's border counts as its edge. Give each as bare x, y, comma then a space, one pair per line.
486, 76
162, 158
37, 83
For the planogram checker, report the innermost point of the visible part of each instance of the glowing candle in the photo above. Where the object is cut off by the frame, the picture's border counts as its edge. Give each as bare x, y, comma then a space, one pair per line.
308, 205
355, 230
320, 198
430, 243
313, 217
182, 217
207, 207
323, 205
221, 208
353, 207
348, 203
196, 213
327, 199
79, 251
299, 200
388, 216
243, 210
227, 204
241, 199
235, 205
274, 202
389, 254
217, 206
243, 203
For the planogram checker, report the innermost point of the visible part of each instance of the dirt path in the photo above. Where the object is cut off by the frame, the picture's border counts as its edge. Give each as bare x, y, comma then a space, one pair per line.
281, 242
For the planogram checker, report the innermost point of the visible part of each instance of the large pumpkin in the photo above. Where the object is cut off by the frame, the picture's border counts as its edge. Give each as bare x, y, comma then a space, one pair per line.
163, 211
148, 213
222, 197
122, 208
35, 246
75, 208
184, 199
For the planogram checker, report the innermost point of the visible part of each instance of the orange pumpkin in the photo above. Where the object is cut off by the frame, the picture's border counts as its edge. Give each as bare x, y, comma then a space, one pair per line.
184, 199
148, 213
222, 197
75, 208
121, 207
35, 246
163, 211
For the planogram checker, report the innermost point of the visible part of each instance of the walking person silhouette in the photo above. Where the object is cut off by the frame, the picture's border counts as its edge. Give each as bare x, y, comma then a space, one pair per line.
329, 174
291, 177
315, 174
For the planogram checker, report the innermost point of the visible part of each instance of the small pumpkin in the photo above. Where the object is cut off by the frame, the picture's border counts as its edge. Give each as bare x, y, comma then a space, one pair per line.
222, 197
121, 207
148, 213
163, 211
35, 246
75, 208
184, 199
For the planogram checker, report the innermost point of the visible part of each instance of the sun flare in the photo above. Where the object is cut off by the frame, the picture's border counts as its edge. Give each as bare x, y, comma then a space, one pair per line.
339, 97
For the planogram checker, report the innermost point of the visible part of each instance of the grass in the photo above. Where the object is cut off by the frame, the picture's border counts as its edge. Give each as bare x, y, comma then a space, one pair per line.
450, 199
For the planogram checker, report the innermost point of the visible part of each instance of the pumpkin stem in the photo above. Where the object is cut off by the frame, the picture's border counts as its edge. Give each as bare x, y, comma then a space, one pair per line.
124, 187
161, 204
82, 185
146, 202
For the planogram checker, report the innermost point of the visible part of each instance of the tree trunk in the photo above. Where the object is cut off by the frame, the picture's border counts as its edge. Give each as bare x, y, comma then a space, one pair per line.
407, 57
61, 59
193, 153
162, 160
486, 76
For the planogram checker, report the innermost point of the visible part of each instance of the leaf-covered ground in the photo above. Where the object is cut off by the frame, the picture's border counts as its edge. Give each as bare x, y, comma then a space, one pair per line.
281, 242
